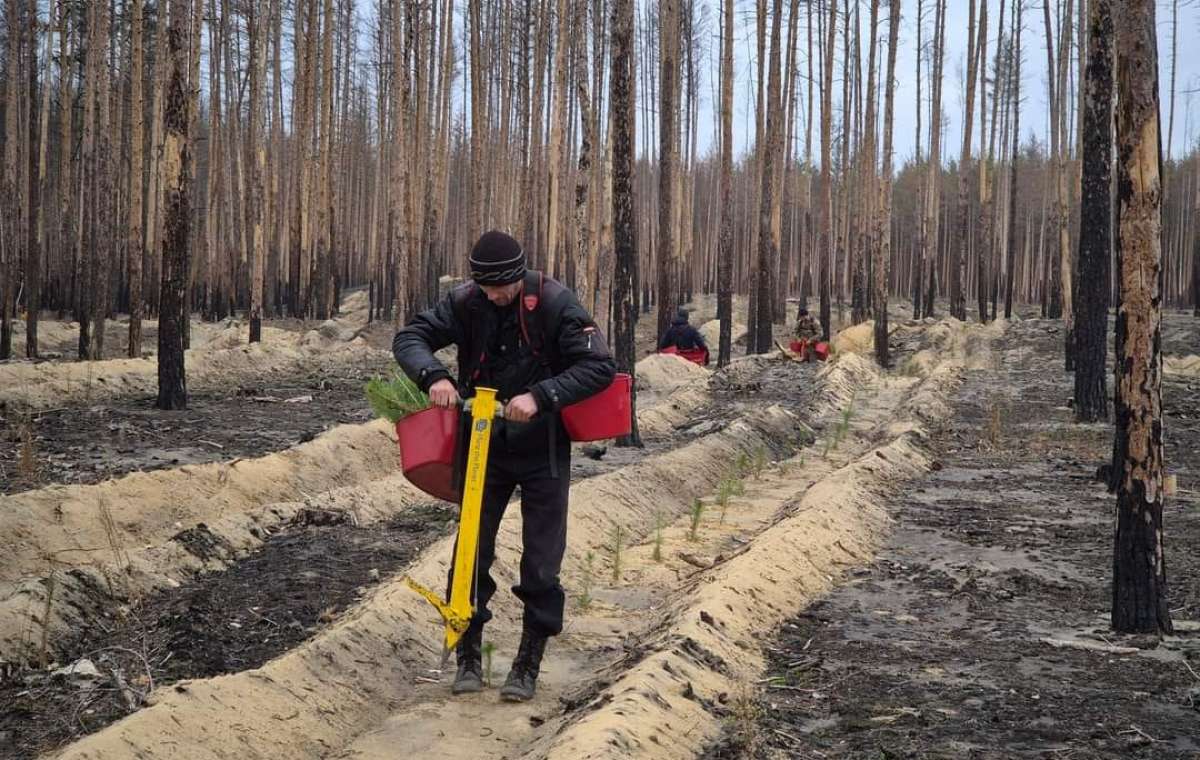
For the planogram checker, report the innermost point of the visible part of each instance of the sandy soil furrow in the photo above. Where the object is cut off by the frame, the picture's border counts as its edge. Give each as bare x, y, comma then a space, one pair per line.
362, 687
122, 537
316, 697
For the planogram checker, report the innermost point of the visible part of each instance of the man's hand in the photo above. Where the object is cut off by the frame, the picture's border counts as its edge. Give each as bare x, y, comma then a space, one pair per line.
443, 394
521, 408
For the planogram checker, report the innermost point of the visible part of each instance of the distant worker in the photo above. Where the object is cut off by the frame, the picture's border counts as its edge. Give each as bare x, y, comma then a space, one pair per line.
684, 339
528, 337
808, 332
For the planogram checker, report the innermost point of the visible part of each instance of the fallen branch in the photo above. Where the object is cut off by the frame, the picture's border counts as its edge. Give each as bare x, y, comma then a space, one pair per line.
1090, 646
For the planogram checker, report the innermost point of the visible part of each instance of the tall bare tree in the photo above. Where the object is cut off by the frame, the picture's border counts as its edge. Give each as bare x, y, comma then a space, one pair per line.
725, 243
668, 156
883, 225
933, 192
1016, 143
258, 25
625, 276
177, 175
1060, 281
768, 233
958, 264
585, 283
1139, 573
13, 245
1095, 231
825, 250
135, 245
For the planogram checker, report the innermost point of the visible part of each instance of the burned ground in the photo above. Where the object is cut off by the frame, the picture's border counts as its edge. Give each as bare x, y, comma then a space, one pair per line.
82, 442
222, 622
980, 631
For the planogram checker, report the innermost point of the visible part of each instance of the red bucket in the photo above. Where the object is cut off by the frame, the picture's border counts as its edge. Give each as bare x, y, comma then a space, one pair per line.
427, 441
608, 414
694, 355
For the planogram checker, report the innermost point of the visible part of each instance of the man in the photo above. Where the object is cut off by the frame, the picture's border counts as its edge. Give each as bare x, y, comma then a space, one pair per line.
807, 334
528, 337
683, 336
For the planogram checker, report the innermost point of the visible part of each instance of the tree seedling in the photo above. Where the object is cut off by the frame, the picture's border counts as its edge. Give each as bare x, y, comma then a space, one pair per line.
725, 491
742, 464
760, 461
697, 513
616, 558
585, 596
488, 649
658, 537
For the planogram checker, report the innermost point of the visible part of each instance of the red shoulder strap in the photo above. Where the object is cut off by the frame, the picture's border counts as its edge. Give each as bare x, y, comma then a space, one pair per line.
531, 302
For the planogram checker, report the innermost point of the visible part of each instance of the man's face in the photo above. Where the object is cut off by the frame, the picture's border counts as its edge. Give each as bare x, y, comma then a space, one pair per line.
502, 295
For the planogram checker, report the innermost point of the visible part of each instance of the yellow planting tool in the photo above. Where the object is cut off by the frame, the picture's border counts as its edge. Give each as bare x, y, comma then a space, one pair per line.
457, 612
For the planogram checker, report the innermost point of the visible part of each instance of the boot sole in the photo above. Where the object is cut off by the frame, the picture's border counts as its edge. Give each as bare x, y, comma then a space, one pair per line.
513, 697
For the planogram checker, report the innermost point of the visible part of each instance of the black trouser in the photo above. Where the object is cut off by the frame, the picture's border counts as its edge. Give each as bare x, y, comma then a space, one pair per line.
543, 529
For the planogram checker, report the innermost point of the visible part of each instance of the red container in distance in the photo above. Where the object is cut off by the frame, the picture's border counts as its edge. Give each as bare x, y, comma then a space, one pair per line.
427, 440
694, 355
608, 414
819, 349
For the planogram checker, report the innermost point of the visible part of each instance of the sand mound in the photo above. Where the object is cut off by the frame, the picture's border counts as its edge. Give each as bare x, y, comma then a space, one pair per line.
1187, 366
711, 331
226, 358
88, 530
665, 372
859, 339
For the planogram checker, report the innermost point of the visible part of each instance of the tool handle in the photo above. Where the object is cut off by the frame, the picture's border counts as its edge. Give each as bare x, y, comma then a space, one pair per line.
468, 404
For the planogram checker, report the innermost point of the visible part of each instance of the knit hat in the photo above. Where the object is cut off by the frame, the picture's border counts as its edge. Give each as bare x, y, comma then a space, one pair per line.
497, 259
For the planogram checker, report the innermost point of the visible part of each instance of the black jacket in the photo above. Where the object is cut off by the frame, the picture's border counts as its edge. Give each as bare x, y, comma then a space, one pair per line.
683, 336
562, 357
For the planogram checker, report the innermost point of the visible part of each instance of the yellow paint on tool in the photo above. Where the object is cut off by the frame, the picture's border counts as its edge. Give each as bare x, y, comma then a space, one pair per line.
457, 612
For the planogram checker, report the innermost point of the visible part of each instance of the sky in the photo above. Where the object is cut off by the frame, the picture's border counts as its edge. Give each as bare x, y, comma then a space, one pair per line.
1033, 74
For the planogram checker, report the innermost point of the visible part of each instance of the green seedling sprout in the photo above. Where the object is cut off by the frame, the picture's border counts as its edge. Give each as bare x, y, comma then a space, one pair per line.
697, 513
488, 649
760, 461
616, 550
658, 537
724, 492
585, 596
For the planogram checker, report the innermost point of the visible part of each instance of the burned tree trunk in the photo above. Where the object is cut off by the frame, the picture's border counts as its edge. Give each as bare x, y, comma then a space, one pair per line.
826, 245
621, 100
883, 232
1095, 234
958, 265
1139, 602
177, 170
257, 159
768, 240
667, 159
1016, 144
725, 244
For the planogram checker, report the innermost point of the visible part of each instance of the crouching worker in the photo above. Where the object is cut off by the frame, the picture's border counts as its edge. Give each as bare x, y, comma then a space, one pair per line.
528, 337
807, 334
684, 339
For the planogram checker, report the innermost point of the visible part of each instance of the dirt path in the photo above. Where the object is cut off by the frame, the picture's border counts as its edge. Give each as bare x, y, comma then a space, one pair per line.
980, 631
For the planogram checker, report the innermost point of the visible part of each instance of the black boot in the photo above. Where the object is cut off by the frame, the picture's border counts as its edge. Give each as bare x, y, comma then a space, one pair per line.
522, 679
469, 677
